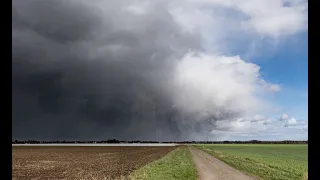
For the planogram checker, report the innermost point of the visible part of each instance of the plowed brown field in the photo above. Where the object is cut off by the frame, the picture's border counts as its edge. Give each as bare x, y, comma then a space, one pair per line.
81, 162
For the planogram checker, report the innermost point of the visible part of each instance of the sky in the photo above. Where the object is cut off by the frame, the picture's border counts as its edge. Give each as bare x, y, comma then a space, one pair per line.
167, 70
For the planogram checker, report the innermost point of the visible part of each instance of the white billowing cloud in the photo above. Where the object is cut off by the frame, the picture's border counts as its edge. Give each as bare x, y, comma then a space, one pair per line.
273, 130
267, 17
291, 122
284, 117
271, 17
270, 87
217, 81
228, 25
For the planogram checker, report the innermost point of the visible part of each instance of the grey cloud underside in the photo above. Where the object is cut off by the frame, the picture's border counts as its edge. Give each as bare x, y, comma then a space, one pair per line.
82, 73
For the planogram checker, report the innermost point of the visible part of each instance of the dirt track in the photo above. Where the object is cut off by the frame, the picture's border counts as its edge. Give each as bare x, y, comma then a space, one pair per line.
210, 168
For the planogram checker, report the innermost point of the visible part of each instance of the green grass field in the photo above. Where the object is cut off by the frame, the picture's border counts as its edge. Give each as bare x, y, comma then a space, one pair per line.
178, 164
287, 162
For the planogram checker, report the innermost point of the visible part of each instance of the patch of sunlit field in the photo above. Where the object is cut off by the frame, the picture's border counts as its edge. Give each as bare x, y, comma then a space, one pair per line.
266, 161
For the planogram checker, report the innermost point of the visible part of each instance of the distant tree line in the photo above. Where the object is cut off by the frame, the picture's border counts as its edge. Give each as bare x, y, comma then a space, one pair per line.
177, 142
245, 142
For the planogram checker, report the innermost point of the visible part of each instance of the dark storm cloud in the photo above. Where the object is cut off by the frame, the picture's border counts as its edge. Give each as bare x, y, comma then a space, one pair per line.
93, 70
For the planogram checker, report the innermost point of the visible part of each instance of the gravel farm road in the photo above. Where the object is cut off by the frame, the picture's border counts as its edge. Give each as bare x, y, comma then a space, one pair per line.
210, 168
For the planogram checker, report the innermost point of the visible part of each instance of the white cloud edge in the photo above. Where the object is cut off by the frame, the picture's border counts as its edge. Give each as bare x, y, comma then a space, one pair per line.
267, 19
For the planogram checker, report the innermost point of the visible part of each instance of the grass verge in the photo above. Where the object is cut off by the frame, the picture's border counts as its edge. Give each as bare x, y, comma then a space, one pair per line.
178, 164
283, 162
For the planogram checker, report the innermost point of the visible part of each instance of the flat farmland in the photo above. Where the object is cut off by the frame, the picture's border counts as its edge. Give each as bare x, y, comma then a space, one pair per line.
265, 161
73, 162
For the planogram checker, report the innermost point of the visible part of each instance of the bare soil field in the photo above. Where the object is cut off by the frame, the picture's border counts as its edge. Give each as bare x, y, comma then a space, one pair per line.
41, 162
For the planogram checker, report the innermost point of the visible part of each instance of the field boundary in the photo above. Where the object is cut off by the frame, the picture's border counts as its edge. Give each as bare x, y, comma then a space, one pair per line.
262, 162
101, 145
63, 162
177, 164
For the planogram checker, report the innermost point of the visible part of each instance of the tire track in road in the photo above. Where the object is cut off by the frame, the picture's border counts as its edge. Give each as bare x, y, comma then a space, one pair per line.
210, 168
